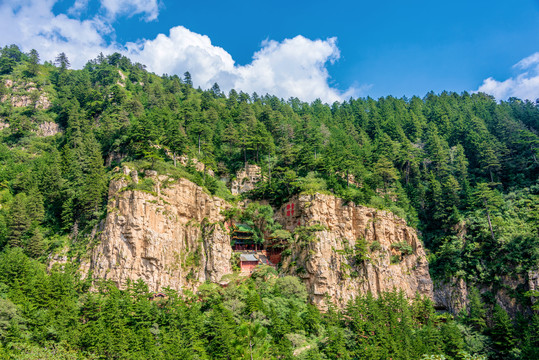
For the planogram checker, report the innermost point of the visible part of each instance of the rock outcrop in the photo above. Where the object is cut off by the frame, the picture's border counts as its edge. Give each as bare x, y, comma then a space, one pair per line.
453, 295
343, 250
172, 236
48, 128
26, 94
246, 179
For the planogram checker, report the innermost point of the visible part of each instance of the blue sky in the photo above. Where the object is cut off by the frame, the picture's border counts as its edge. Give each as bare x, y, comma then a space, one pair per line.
304, 49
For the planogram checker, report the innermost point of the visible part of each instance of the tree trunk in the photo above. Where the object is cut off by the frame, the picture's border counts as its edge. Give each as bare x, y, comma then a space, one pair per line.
269, 168
244, 156
198, 143
488, 219
174, 155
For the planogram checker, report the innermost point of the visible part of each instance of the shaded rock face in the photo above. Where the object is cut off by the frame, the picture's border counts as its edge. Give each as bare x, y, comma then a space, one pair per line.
453, 294
352, 249
171, 238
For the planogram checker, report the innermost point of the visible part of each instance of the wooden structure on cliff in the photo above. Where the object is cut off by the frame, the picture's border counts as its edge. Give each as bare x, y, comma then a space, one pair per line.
242, 237
248, 262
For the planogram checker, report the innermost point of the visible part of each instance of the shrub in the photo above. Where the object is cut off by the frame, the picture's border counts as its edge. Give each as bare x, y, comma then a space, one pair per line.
375, 246
403, 247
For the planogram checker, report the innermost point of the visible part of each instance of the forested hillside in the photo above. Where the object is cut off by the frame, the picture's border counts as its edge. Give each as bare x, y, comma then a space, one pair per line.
461, 168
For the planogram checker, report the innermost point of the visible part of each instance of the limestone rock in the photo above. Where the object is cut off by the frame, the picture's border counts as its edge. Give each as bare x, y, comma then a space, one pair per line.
174, 236
171, 238
26, 94
246, 179
451, 295
187, 161
48, 129
330, 263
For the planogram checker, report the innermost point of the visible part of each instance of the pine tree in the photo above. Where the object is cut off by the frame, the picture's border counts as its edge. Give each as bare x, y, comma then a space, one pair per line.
35, 245
476, 310
489, 200
33, 63
501, 333
94, 177
187, 79
34, 206
19, 221
62, 61
530, 346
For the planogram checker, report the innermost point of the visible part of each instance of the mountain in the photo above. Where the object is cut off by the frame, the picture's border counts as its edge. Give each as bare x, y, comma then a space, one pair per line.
133, 207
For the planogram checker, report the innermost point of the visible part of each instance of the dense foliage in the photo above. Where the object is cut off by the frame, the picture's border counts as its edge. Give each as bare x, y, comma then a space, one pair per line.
53, 316
462, 168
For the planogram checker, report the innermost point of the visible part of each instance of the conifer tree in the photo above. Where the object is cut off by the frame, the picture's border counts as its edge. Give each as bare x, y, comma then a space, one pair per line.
33, 63
19, 221
489, 200
501, 333
476, 310
35, 244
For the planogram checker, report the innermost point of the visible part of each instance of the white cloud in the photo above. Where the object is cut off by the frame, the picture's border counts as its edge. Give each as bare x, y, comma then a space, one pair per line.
292, 68
524, 85
78, 7
131, 7
182, 51
31, 24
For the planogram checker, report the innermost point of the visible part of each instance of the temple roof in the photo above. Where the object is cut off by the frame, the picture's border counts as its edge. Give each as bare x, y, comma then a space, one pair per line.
248, 257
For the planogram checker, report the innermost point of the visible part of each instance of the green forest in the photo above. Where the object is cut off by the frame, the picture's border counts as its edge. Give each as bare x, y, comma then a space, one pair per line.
463, 169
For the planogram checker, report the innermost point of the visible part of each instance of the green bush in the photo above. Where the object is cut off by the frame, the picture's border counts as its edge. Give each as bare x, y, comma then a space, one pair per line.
403, 247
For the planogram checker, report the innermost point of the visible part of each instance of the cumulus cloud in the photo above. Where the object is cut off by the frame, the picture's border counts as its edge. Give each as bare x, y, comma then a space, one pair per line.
32, 25
292, 68
183, 50
295, 67
525, 85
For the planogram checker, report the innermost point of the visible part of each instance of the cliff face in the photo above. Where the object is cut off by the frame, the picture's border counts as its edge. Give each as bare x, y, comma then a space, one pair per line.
246, 179
352, 250
453, 294
172, 236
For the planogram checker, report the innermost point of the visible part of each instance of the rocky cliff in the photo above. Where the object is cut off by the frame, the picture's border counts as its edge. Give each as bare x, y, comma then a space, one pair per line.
170, 236
341, 250
246, 179
453, 294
